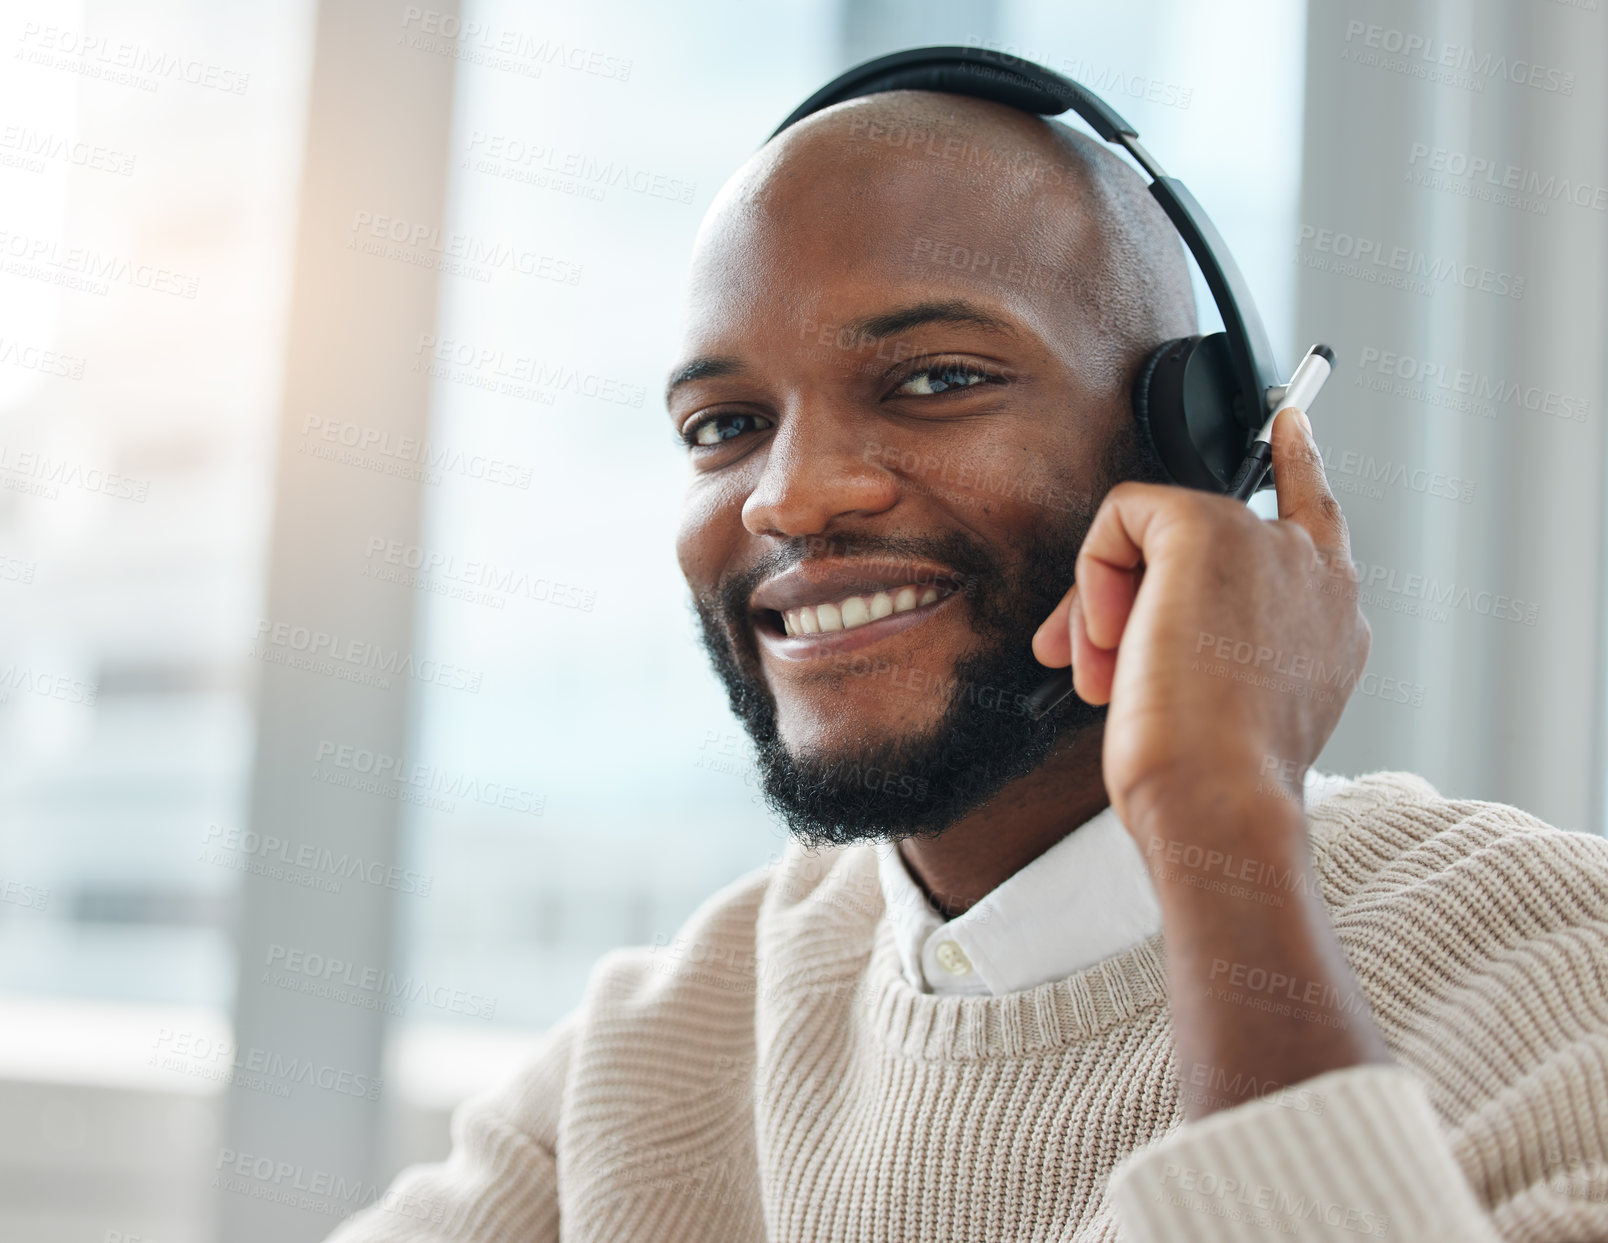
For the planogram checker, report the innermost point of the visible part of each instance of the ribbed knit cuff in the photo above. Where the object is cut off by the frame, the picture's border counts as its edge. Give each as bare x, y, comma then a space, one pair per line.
1350, 1155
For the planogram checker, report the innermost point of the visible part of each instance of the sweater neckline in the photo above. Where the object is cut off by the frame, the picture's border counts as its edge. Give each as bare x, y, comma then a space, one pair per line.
1043, 1019
1037, 1020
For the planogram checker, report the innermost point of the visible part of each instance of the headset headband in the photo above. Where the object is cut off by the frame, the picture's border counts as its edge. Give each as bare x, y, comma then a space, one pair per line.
1021, 84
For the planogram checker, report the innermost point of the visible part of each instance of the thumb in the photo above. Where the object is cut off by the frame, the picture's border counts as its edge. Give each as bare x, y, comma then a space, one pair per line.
1301, 485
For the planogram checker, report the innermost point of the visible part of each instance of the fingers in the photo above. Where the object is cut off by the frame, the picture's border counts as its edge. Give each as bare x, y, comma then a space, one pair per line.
1094, 669
1112, 557
1302, 487
1064, 639
1052, 645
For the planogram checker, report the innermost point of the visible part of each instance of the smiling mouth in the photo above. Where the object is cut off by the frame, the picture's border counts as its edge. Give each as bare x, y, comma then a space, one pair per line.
852, 612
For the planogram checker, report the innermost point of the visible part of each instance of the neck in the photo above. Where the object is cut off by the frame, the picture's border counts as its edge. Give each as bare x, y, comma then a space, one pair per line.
978, 853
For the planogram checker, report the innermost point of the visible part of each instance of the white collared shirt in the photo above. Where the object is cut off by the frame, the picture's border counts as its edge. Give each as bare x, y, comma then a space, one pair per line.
1083, 900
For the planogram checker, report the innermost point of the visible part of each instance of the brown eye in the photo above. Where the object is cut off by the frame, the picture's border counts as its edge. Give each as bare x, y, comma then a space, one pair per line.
941, 379
724, 427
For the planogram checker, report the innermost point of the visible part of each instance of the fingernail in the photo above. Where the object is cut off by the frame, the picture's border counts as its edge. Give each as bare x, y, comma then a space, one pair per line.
1306, 423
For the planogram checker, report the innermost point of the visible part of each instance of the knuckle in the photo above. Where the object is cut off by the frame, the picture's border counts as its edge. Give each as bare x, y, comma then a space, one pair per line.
1125, 491
1113, 497
1329, 509
1308, 451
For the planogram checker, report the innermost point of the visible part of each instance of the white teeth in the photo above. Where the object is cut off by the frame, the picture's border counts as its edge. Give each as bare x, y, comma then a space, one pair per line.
855, 611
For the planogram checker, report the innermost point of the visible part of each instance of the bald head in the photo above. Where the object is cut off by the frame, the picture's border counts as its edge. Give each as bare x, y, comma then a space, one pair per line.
963, 191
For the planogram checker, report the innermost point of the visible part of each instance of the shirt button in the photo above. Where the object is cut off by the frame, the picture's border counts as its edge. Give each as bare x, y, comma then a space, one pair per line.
952, 958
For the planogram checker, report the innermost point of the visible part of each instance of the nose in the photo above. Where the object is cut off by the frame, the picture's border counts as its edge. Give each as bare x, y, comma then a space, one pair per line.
818, 469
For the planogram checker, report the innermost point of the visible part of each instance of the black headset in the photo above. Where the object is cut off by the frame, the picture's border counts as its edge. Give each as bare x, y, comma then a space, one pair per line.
1200, 399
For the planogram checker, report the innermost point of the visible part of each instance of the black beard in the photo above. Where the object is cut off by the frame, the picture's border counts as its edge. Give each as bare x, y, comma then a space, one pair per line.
915, 786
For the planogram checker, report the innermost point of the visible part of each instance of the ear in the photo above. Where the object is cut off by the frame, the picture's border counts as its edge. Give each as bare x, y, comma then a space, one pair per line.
1187, 405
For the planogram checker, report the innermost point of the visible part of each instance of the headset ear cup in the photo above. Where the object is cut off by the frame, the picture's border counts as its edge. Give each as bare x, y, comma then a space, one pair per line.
1185, 401
1142, 400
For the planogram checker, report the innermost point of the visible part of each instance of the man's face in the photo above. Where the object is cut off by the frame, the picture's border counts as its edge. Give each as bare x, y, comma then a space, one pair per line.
899, 424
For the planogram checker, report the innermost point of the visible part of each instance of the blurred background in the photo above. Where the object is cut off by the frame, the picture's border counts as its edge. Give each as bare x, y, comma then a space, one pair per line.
350, 702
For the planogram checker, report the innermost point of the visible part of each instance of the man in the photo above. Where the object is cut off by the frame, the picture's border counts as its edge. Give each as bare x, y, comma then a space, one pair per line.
1119, 976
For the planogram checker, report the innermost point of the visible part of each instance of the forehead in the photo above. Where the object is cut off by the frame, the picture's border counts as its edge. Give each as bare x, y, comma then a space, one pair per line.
847, 217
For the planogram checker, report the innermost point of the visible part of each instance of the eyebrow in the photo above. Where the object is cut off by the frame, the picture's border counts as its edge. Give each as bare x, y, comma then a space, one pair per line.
949, 311
702, 369
866, 328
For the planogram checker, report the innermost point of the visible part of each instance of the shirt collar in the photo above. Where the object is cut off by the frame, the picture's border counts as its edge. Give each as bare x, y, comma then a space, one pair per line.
1085, 899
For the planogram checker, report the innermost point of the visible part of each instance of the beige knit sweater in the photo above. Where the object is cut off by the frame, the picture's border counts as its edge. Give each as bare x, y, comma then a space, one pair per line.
769, 1074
